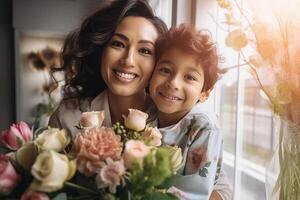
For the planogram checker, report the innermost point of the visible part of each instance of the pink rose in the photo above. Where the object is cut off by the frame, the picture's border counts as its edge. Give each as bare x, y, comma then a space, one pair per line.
135, 151
17, 135
111, 175
152, 136
91, 119
94, 146
33, 195
8, 175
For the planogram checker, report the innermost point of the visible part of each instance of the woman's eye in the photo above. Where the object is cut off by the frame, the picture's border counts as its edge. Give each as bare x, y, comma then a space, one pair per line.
145, 51
117, 44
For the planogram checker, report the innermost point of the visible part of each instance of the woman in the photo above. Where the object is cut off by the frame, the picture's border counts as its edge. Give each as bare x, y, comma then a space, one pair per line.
108, 63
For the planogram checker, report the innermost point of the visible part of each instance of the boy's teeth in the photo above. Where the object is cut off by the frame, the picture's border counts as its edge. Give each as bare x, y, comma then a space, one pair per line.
126, 75
171, 97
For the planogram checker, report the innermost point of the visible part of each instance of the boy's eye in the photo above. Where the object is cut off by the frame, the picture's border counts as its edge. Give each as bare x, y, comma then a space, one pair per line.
190, 78
164, 70
117, 44
145, 51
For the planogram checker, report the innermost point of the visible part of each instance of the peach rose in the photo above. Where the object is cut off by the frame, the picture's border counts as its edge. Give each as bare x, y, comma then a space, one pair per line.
91, 119
94, 146
135, 120
135, 151
152, 136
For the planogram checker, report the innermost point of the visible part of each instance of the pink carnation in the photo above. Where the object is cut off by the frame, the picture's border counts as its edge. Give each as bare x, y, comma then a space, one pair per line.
94, 146
111, 175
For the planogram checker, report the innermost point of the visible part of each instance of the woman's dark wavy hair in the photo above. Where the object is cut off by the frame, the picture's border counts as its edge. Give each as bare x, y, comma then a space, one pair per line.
82, 50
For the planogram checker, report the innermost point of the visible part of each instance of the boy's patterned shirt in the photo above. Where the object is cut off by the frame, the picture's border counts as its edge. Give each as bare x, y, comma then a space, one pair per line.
202, 145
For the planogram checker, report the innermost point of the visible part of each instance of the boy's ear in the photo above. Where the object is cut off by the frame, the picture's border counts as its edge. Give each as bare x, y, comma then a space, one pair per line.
204, 96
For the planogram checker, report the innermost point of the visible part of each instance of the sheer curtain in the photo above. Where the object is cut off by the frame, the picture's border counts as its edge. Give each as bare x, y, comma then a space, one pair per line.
244, 114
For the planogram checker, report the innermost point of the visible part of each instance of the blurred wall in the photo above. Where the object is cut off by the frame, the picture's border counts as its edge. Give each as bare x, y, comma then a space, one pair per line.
7, 97
51, 19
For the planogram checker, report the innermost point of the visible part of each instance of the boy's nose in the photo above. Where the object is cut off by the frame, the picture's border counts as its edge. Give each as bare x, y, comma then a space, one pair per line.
173, 83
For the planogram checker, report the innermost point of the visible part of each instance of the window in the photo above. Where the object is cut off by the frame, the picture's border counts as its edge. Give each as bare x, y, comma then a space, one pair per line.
245, 116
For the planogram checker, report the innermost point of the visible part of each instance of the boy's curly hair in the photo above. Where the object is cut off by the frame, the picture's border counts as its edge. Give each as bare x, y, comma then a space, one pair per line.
197, 43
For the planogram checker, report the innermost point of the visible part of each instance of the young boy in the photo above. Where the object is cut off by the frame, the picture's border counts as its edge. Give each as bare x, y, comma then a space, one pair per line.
185, 73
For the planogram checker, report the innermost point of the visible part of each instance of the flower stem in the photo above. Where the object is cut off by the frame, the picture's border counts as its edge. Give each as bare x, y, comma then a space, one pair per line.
72, 185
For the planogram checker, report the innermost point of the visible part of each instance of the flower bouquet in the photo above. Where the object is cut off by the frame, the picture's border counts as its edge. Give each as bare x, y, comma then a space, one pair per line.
119, 162
271, 30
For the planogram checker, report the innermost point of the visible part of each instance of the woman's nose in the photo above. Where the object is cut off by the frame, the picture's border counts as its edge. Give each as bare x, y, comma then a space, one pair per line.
128, 58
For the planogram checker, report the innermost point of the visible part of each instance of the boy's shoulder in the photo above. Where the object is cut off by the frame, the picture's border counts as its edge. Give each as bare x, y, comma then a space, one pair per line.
201, 117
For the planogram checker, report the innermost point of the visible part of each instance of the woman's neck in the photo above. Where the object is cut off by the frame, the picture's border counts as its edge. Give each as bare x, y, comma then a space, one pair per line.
119, 105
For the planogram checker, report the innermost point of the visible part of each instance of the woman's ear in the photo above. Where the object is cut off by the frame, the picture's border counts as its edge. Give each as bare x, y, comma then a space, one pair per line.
204, 96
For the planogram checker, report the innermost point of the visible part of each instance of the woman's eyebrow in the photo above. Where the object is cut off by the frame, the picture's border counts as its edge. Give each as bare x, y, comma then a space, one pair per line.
121, 36
127, 39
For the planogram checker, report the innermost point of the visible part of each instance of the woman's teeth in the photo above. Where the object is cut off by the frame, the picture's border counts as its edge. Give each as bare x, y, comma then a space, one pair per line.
128, 76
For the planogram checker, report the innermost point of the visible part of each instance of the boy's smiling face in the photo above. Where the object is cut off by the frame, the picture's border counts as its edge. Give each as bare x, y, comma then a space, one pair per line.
176, 84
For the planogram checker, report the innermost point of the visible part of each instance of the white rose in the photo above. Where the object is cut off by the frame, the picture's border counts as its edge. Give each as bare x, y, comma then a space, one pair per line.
52, 139
152, 136
51, 170
91, 119
175, 157
134, 151
136, 120
25, 156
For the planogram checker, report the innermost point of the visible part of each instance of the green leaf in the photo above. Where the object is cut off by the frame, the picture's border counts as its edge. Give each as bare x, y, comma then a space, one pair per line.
168, 182
203, 172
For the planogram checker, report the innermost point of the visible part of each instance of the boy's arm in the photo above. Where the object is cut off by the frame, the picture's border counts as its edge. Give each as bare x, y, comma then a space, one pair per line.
222, 189
215, 196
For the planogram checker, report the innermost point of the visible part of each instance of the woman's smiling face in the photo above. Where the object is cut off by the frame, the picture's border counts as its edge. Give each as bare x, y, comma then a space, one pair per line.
128, 59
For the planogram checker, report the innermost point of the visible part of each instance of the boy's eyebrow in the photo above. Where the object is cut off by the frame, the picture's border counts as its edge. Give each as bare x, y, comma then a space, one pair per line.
166, 62
126, 38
